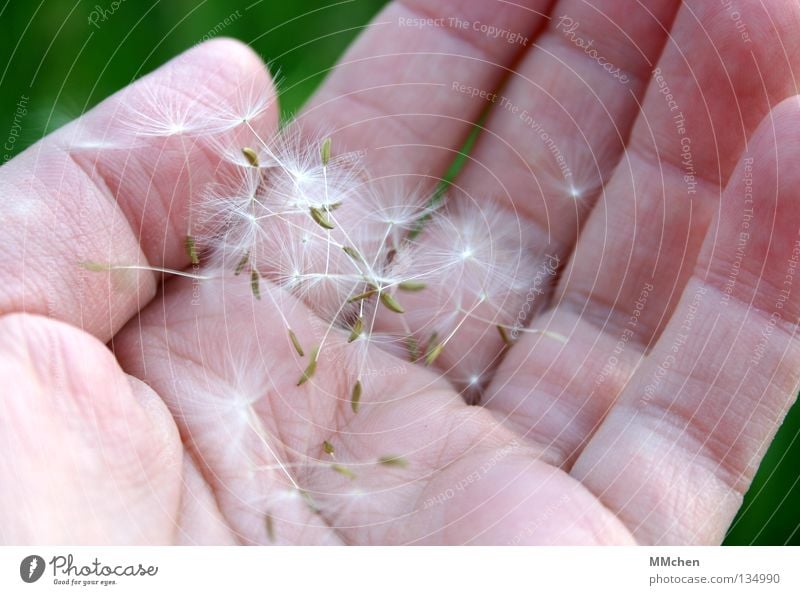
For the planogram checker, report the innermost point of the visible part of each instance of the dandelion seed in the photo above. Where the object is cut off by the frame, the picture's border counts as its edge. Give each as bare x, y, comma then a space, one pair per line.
297, 347
311, 368
325, 151
431, 356
342, 470
355, 397
327, 447
469, 257
504, 335
191, 250
411, 286
251, 156
388, 300
254, 284
413, 349
95, 267
270, 527
309, 500
164, 116
242, 263
362, 296
393, 461
358, 326
353, 253
320, 219
432, 340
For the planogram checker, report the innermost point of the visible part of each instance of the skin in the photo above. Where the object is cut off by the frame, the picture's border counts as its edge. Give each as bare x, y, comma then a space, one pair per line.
171, 434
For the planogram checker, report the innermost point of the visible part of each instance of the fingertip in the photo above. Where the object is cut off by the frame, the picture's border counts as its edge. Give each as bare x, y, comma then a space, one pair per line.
231, 49
775, 145
229, 57
753, 250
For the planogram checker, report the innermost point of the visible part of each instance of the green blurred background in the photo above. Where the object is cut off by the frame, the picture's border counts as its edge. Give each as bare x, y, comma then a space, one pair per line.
58, 64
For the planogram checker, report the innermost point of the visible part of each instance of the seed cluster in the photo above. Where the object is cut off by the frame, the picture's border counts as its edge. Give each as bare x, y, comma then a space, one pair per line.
387, 267
383, 265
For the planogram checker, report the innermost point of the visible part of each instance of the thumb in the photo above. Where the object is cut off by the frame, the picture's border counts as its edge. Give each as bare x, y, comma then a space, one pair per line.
92, 456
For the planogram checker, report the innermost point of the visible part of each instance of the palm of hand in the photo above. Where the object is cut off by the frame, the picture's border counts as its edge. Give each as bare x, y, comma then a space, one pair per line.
645, 424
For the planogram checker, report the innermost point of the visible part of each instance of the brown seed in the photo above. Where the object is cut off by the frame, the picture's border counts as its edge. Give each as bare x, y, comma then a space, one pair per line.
352, 253
311, 368
251, 156
309, 500
393, 461
95, 267
413, 348
358, 326
270, 526
320, 218
355, 397
388, 300
254, 284
242, 263
342, 470
297, 347
325, 151
432, 354
362, 296
411, 286
191, 250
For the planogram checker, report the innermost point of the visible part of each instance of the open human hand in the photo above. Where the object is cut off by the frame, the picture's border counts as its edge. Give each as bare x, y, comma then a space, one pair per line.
608, 365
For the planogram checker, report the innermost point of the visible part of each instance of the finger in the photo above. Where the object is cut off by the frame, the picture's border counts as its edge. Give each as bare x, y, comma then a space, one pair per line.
391, 92
115, 187
91, 456
678, 451
560, 124
694, 125
632, 260
552, 138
